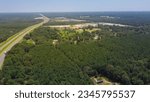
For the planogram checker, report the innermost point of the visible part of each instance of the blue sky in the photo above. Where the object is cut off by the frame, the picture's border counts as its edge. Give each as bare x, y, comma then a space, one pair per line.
73, 5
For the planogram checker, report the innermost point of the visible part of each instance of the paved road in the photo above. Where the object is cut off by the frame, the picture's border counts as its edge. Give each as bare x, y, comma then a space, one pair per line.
13, 40
2, 60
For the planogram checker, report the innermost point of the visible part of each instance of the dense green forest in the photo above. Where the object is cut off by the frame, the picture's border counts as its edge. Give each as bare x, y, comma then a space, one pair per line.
67, 56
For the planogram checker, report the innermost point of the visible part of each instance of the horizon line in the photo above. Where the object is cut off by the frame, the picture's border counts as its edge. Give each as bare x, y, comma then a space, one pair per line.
70, 11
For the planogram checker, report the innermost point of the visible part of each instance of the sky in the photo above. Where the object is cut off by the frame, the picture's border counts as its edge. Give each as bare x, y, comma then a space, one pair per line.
73, 5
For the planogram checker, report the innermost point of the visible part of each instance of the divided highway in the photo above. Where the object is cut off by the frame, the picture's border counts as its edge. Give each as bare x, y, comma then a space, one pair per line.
13, 40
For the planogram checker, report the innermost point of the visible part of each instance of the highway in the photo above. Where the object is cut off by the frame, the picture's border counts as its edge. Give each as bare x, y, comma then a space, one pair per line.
16, 38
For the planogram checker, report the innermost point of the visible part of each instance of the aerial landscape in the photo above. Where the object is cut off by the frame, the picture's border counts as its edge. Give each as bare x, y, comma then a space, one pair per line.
75, 47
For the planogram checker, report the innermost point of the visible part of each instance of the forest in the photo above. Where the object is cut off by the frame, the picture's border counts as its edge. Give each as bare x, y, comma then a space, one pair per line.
50, 56
123, 58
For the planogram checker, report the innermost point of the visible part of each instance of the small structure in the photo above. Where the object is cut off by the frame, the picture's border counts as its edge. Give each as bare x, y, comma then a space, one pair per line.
98, 81
55, 42
115, 34
96, 37
75, 42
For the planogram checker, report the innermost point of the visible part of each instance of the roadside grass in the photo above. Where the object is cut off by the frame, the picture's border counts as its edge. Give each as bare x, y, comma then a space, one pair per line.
1, 64
9, 41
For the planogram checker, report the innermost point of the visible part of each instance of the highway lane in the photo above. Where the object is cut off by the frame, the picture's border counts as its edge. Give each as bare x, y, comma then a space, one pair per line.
2, 57
13, 40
